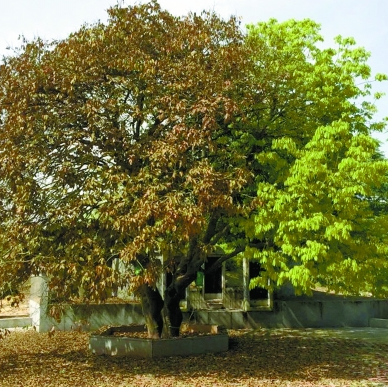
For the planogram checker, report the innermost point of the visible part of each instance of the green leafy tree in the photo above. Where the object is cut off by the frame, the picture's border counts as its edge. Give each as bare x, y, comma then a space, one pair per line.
156, 136
317, 176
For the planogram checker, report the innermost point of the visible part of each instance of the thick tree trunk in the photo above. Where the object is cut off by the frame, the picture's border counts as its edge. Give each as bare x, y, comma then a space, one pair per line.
174, 293
152, 304
185, 274
174, 313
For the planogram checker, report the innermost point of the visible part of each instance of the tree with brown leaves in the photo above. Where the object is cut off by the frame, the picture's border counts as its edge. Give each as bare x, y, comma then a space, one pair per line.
110, 149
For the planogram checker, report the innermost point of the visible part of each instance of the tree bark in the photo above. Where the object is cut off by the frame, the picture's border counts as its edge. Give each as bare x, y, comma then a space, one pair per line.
173, 295
174, 313
152, 305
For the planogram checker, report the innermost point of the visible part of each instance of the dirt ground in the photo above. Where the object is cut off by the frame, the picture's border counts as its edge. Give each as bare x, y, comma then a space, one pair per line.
261, 358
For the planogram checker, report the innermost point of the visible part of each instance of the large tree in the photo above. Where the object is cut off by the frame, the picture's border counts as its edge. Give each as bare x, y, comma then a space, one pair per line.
109, 149
317, 174
157, 136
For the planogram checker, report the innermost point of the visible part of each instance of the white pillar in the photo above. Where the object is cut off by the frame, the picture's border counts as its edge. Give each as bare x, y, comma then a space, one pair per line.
38, 303
246, 300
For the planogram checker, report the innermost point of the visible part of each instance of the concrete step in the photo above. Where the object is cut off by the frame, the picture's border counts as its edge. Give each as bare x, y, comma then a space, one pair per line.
378, 323
214, 304
15, 322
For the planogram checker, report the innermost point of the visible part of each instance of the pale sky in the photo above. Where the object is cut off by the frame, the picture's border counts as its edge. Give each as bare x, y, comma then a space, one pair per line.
364, 20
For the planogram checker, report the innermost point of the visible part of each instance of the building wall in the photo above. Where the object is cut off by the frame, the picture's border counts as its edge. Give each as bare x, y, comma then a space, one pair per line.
285, 314
286, 311
300, 314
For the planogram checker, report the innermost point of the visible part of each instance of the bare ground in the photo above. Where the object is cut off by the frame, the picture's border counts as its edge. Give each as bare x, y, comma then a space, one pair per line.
293, 358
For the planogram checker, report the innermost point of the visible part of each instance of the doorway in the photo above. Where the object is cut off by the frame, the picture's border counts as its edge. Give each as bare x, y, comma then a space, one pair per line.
258, 296
213, 281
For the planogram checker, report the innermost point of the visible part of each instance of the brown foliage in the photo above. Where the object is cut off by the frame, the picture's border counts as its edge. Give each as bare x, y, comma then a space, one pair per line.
110, 148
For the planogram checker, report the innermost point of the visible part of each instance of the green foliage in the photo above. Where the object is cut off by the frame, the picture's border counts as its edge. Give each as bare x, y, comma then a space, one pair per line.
321, 217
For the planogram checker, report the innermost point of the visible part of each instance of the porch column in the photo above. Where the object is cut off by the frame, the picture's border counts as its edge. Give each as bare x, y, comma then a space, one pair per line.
246, 300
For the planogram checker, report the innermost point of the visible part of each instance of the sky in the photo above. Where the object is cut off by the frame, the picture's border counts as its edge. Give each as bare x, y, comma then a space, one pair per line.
364, 20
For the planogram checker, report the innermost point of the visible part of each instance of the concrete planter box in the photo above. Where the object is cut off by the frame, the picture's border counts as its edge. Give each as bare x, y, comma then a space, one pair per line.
106, 344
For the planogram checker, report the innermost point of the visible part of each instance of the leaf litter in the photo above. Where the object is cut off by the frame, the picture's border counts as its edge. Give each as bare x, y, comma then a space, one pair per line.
262, 357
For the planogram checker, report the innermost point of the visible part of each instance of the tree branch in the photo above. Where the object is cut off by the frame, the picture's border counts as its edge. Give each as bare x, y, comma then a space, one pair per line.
220, 234
211, 228
223, 259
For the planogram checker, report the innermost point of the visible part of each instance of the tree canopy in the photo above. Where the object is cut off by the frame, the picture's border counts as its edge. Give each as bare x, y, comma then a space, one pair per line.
155, 135
317, 166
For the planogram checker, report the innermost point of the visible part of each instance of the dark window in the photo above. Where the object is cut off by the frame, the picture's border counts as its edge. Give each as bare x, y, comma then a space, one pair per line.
256, 293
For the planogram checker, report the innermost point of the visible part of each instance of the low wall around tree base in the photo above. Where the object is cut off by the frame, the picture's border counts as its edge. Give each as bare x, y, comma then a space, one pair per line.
106, 343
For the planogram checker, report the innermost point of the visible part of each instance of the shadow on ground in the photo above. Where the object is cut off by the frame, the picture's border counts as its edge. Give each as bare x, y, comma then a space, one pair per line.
256, 358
